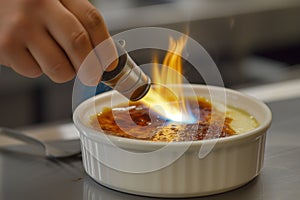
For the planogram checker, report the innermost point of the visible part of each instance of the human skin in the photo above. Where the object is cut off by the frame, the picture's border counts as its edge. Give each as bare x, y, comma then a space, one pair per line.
51, 37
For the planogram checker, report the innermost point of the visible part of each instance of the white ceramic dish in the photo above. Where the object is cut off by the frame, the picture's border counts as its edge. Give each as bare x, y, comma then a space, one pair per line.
162, 169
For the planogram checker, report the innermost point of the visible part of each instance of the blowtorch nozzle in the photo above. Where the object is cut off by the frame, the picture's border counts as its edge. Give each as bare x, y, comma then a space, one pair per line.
127, 78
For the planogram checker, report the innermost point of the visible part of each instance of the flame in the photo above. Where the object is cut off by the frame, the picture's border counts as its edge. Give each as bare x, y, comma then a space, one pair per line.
169, 102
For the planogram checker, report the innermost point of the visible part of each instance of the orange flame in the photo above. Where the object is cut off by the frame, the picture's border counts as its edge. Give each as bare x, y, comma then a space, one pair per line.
162, 99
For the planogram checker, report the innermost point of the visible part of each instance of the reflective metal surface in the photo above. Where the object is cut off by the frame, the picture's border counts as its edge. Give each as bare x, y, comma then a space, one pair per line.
43, 148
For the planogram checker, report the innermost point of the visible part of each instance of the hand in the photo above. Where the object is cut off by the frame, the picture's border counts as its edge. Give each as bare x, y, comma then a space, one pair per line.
50, 36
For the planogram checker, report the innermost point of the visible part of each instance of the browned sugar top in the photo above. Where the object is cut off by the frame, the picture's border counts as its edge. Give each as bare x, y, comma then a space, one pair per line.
135, 121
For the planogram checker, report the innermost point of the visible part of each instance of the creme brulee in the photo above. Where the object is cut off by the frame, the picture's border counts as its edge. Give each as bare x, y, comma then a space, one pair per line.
151, 126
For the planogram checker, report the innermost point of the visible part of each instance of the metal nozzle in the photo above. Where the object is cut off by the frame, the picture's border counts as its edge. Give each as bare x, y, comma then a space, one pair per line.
127, 78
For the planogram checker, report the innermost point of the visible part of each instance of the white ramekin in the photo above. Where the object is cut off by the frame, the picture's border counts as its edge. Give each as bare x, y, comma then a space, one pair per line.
175, 169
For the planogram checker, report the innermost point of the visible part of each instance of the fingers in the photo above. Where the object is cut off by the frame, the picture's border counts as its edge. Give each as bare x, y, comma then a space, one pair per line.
23, 63
90, 18
50, 57
15, 55
69, 33
26, 65
72, 37
13, 51
95, 26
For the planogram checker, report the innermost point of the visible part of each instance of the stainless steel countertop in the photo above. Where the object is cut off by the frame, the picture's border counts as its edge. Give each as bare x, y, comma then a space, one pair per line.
24, 177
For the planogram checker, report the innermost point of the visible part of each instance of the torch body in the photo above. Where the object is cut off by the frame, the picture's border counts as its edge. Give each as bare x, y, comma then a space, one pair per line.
127, 78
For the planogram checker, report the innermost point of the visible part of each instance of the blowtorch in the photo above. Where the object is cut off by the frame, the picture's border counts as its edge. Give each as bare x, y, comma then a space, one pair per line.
127, 78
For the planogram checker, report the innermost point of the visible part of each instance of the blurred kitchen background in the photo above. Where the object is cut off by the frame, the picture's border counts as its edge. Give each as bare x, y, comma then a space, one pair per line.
253, 43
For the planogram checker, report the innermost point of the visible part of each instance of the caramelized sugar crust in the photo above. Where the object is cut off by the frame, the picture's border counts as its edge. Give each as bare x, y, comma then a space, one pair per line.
138, 122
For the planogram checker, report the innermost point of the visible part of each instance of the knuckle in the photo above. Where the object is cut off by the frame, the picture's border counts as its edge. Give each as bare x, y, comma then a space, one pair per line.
34, 73
93, 18
60, 72
18, 20
79, 39
19, 24
62, 78
55, 68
